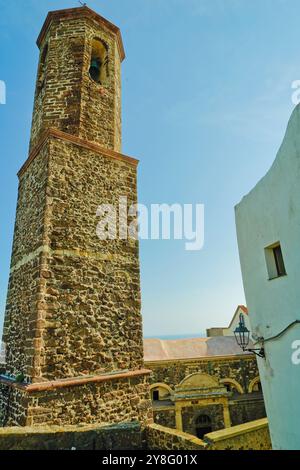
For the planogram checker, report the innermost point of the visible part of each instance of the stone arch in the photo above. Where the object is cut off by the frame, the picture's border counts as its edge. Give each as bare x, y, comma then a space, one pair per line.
163, 389
233, 382
252, 384
199, 380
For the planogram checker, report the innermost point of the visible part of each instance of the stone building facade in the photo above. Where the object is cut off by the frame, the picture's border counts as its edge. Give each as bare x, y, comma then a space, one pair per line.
197, 390
73, 327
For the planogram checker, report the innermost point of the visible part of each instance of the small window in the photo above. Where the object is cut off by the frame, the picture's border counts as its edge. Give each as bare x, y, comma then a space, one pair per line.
155, 395
275, 261
279, 260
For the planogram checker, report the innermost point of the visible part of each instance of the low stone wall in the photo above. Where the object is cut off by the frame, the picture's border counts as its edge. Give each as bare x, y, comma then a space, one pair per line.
130, 436
93, 437
249, 436
102, 400
161, 438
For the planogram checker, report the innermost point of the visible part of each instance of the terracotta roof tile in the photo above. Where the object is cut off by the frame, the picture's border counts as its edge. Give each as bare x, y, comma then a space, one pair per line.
190, 348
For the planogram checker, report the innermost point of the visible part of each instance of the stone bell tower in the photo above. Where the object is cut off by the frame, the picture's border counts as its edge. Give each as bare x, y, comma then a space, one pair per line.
73, 329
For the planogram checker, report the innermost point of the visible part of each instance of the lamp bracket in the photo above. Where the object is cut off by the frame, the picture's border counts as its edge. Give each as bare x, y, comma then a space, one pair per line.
260, 352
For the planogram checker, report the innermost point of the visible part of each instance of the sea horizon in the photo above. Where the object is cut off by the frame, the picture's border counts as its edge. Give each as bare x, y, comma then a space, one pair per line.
181, 336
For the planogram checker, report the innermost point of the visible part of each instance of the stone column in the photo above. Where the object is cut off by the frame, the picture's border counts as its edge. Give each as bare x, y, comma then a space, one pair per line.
226, 414
178, 417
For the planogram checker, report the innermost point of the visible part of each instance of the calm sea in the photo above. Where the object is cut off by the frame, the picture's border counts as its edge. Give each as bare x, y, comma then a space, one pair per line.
195, 335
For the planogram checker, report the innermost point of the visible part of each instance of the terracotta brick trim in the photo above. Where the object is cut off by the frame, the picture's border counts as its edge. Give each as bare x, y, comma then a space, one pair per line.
81, 12
55, 133
75, 381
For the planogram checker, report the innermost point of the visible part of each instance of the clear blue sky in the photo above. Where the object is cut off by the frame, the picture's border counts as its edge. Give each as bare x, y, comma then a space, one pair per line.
206, 99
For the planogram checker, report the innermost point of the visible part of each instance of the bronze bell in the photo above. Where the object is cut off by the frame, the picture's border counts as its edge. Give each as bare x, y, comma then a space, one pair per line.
95, 69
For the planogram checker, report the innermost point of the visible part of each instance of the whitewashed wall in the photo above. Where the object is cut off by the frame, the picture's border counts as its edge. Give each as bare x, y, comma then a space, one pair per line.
268, 214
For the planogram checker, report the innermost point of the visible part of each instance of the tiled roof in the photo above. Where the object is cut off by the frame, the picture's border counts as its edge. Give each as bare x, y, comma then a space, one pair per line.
190, 348
245, 310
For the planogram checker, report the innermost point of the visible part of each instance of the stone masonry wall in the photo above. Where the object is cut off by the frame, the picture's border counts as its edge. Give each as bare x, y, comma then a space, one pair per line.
130, 436
67, 288
69, 99
246, 408
250, 436
242, 369
191, 413
241, 411
162, 438
25, 280
14, 405
165, 417
109, 402
127, 436
242, 407
92, 291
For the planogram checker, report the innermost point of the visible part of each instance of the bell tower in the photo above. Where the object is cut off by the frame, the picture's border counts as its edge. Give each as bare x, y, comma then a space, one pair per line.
73, 327
78, 87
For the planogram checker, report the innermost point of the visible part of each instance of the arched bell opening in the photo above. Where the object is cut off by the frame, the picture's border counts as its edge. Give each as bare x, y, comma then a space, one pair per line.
99, 71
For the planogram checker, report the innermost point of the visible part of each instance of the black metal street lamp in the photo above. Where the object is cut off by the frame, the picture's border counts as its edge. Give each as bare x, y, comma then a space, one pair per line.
242, 336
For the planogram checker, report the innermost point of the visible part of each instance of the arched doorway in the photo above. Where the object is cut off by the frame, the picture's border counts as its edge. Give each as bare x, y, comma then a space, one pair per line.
203, 426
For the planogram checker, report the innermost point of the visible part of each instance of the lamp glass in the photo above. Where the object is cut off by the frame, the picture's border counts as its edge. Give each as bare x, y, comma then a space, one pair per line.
242, 335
